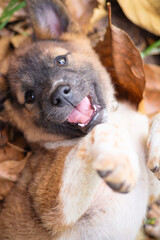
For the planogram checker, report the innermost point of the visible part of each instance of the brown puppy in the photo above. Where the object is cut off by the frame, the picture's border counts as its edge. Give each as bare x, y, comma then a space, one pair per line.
60, 96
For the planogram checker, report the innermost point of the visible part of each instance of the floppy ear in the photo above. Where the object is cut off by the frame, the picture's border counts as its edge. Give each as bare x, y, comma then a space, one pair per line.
49, 18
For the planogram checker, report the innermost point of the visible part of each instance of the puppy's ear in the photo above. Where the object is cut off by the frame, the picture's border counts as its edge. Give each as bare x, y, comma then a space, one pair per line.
49, 18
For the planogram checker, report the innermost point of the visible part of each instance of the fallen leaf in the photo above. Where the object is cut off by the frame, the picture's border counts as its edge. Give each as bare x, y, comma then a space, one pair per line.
9, 153
3, 136
21, 27
5, 188
152, 89
13, 157
11, 169
144, 13
123, 61
4, 32
3, 4
12, 144
5, 63
5, 52
17, 40
4, 46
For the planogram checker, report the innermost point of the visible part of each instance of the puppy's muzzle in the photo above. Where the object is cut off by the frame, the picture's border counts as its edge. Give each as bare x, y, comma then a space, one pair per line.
62, 96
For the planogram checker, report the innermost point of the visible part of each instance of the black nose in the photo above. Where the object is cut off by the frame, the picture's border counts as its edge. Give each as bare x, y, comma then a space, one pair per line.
61, 96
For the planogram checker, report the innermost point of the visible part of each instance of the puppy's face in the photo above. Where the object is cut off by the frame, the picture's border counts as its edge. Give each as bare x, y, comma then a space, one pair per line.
57, 88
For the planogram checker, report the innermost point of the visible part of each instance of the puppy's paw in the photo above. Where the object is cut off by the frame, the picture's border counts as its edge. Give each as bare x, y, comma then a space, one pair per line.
114, 157
153, 144
152, 224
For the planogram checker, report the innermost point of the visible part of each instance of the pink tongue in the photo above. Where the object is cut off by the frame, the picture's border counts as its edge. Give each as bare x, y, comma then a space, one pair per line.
82, 113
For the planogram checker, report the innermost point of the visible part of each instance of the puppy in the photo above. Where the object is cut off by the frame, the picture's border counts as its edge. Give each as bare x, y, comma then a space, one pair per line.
86, 155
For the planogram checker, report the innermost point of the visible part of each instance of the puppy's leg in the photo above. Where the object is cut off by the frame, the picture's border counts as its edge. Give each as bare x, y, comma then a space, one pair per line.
114, 157
106, 152
152, 226
154, 146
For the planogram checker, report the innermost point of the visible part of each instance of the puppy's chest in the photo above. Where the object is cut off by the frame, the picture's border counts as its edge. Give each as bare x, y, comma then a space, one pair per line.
107, 217
93, 225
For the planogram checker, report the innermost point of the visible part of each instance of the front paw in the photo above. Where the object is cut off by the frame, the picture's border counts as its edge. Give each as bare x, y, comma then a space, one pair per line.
114, 157
152, 223
153, 144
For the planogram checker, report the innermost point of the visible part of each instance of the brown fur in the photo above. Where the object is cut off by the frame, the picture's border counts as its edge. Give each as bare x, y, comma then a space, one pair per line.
36, 195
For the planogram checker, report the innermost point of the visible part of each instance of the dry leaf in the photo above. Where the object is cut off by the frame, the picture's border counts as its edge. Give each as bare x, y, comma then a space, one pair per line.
12, 154
9, 173
5, 63
12, 158
11, 169
17, 40
5, 188
144, 13
3, 4
21, 27
3, 136
5, 52
4, 46
9, 153
123, 61
152, 90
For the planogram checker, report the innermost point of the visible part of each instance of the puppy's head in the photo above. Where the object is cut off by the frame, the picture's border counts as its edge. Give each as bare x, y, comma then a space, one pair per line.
57, 87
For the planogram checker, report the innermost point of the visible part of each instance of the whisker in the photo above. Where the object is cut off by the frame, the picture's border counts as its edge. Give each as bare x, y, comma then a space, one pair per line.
48, 115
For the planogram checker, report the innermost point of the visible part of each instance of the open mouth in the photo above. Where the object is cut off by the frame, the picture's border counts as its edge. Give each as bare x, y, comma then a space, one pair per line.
84, 112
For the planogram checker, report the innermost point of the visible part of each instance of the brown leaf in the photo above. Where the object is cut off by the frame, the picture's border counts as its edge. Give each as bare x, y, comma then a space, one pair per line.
3, 136
9, 153
123, 61
3, 4
22, 27
4, 46
13, 157
145, 14
5, 187
152, 89
18, 40
5, 63
5, 52
11, 169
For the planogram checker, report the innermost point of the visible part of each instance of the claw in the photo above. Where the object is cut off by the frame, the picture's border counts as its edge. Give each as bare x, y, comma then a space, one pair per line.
104, 174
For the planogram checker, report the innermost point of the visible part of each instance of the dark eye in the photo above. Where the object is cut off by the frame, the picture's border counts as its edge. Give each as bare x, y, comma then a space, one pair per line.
61, 61
29, 97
